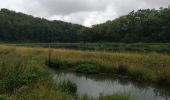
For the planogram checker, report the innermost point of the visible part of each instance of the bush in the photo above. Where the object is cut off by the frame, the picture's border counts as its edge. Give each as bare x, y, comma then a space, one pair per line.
88, 68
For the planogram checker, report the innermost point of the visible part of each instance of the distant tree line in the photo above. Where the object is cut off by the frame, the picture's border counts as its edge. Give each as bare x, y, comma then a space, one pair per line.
148, 25
19, 27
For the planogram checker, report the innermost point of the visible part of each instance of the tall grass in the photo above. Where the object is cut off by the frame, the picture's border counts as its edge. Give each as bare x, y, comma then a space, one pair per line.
150, 67
67, 86
130, 47
25, 76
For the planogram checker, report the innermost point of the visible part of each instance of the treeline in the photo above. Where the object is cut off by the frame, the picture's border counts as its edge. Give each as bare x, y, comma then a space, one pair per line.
148, 25
19, 27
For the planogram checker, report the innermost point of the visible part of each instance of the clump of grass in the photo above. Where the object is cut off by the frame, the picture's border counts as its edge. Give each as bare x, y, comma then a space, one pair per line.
145, 75
20, 72
86, 67
24, 76
68, 87
41, 90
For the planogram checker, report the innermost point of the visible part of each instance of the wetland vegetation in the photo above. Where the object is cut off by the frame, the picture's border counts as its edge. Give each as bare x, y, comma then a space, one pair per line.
28, 74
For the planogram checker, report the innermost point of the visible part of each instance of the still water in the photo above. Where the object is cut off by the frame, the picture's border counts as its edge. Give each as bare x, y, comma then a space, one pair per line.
94, 85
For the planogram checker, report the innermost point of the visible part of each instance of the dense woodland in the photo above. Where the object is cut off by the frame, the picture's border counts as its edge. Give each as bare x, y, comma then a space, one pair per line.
19, 27
148, 25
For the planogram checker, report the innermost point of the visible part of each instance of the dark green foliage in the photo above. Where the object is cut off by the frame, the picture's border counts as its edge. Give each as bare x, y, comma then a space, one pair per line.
86, 67
18, 27
68, 86
148, 25
83, 67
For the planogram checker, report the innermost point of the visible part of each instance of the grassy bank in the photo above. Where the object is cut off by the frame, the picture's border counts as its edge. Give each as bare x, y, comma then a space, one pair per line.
128, 47
24, 75
150, 67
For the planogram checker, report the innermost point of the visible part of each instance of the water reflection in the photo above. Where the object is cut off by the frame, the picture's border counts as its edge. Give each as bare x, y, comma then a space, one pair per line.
94, 85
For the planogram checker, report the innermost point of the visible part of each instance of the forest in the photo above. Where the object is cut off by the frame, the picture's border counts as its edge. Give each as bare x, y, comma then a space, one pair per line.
143, 25
19, 27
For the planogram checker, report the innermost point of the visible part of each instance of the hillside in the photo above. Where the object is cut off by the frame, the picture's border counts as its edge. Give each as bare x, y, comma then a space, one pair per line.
148, 25
19, 27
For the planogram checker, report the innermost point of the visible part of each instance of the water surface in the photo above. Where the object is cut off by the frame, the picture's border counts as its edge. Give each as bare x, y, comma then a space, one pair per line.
94, 85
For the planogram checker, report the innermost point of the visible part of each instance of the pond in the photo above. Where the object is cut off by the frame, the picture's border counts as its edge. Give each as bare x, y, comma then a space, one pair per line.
94, 85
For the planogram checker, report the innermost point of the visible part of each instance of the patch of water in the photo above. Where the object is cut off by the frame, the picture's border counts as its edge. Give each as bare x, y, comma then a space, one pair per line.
93, 86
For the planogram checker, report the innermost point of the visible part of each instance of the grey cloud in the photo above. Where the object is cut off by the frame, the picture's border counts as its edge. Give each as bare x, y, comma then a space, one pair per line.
72, 6
86, 12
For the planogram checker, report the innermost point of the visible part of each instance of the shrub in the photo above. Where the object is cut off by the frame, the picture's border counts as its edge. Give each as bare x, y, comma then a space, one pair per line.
88, 68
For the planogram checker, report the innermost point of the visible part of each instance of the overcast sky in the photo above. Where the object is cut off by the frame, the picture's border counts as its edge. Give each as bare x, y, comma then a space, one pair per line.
85, 12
